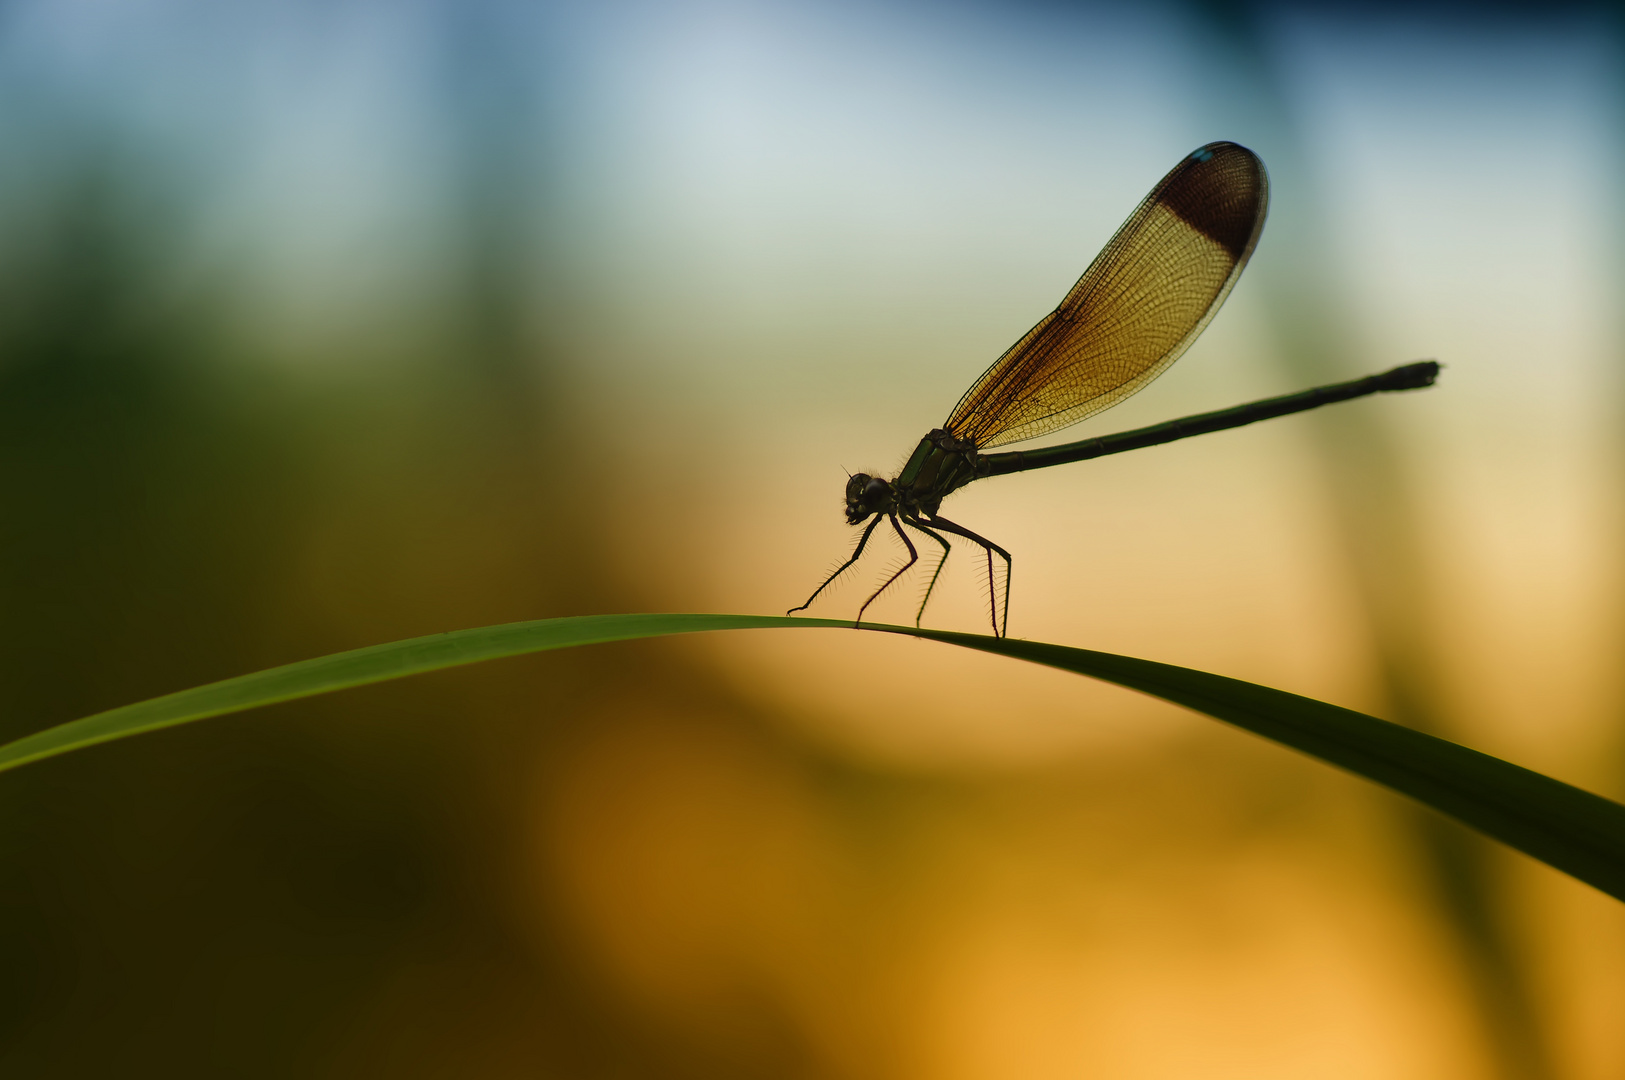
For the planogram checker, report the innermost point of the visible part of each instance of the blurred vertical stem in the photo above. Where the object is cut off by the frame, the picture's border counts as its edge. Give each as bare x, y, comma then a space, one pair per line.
499, 171
1376, 519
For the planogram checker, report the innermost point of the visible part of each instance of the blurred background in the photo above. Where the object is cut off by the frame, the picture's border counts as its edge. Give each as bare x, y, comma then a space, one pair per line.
326, 324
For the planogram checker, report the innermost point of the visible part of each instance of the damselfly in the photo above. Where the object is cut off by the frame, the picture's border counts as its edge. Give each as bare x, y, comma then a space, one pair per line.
1133, 312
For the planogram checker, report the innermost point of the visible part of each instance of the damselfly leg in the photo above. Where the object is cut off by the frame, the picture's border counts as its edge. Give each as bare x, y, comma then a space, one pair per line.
857, 553
938, 522
913, 557
935, 574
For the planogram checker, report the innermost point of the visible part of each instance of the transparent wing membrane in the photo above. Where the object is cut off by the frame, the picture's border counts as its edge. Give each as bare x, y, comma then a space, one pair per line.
1134, 311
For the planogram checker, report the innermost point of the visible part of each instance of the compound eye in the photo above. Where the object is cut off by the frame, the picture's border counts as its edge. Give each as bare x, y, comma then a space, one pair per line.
855, 486
875, 486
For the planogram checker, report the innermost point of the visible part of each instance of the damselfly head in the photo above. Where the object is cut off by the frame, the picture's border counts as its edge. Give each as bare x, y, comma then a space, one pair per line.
866, 495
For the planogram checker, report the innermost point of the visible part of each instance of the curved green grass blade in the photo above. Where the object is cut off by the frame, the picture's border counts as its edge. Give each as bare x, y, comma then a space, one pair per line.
1566, 827
362, 667
1573, 830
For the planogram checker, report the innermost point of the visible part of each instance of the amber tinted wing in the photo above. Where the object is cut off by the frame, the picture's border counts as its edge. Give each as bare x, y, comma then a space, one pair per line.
1138, 306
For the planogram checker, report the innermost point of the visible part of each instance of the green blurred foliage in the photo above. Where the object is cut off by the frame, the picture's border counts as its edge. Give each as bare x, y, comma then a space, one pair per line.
230, 902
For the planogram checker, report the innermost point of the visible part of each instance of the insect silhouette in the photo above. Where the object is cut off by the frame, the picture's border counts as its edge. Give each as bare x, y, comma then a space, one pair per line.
1139, 305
